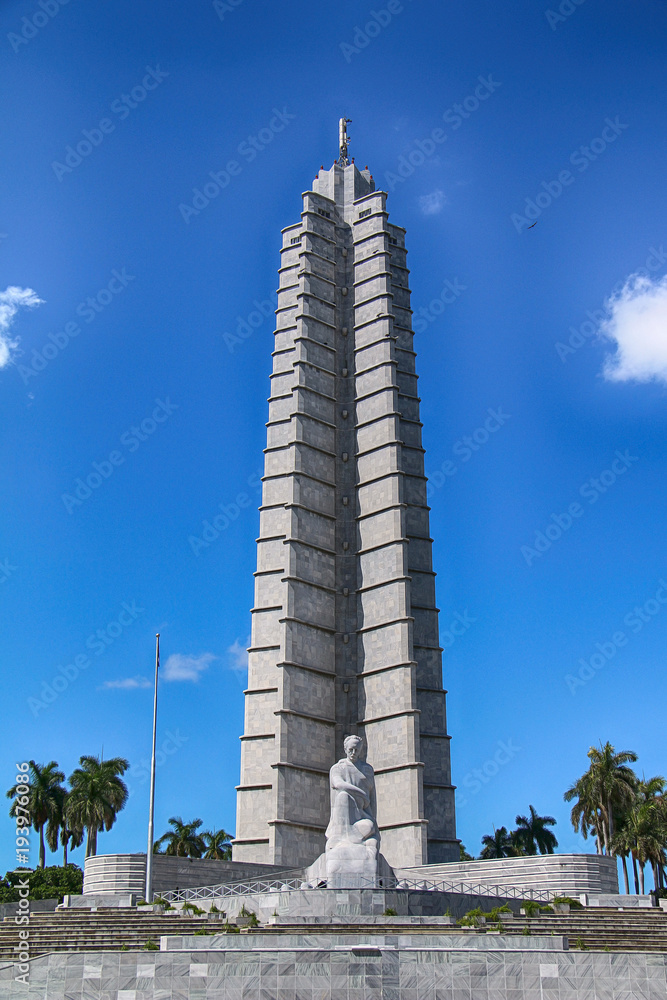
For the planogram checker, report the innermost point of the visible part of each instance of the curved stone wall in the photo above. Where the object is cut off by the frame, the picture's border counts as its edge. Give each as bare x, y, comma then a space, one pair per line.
566, 874
122, 873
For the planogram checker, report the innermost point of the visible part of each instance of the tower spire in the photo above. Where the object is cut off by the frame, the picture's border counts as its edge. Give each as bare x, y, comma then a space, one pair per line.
343, 141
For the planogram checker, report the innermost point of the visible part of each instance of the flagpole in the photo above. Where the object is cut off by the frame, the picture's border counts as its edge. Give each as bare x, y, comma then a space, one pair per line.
151, 807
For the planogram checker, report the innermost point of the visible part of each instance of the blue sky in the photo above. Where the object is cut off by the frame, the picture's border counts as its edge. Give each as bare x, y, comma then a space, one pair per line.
146, 366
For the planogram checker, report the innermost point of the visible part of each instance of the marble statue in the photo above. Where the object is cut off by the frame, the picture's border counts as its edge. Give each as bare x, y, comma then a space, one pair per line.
352, 836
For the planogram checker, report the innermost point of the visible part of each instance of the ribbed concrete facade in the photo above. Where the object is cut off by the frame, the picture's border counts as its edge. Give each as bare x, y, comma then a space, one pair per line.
564, 874
345, 624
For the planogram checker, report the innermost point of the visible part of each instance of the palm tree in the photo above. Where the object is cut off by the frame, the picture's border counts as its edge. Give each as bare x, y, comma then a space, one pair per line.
650, 827
585, 814
59, 830
620, 846
97, 796
44, 795
498, 845
218, 844
604, 791
641, 841
532, 833
183, 841
613, 781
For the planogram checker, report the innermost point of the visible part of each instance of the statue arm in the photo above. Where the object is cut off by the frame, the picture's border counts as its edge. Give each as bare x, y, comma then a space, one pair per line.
340, 784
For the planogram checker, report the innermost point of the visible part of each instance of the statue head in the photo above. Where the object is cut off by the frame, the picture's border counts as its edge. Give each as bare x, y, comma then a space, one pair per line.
353, 746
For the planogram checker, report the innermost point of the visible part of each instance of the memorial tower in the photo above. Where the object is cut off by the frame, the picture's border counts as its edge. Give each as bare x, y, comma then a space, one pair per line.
345, 623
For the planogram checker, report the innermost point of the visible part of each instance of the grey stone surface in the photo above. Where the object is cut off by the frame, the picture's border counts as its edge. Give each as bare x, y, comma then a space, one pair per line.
322, 904
629, 902
36, 906
362, 967
345, 629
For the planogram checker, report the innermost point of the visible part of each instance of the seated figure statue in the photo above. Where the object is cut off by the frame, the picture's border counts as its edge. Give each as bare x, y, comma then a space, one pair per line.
352, 836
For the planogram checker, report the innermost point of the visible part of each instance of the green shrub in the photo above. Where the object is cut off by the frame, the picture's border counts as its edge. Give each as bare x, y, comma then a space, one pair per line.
151, 946
531, 907
193, 909
580, 944
573, 903
203, 931
546, 909
53, 882
230, 928
526, 931
249, 915
390, 912
472, 918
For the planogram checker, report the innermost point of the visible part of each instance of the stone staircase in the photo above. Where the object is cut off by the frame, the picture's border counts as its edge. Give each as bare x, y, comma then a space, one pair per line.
597, 929
73, 930
104, 929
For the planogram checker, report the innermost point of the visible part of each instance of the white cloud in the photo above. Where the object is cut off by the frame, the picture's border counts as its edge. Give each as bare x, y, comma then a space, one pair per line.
11, 301
238, 655
432, 203
637, 324
128, 683
180, 667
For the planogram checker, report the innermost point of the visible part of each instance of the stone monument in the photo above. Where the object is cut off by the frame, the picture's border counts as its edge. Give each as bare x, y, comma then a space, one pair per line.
345, 621
352, 855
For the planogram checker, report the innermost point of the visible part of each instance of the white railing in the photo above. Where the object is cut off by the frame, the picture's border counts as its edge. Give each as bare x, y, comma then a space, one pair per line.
277, 884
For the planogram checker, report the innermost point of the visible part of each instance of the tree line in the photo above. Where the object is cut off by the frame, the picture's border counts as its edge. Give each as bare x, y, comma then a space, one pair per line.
626, 814
96, 794
185, 841
531, 836
61, 815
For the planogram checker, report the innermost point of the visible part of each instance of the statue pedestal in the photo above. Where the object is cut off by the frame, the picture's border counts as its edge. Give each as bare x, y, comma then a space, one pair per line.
351, 866
345, 867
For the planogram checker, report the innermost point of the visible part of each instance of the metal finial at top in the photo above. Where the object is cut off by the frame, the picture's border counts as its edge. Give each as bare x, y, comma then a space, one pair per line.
343, 141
